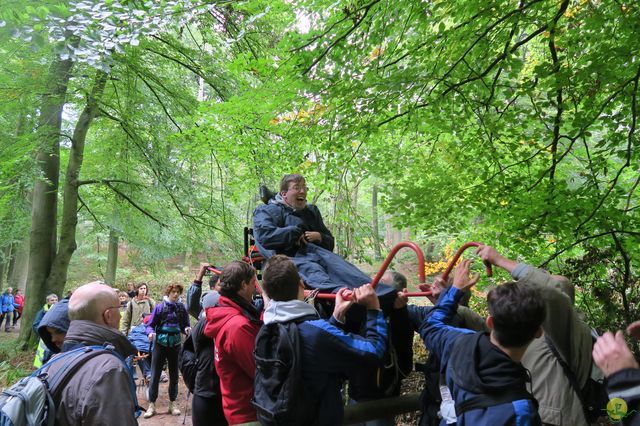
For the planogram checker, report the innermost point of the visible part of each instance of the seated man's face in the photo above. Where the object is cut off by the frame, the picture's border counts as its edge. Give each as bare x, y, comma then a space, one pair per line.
296, 195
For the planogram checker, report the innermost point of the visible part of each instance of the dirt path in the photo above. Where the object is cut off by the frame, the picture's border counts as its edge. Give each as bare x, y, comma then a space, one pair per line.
162, 404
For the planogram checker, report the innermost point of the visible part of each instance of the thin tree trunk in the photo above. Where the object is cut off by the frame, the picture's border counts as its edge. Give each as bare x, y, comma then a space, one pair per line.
58, 276
5, 258
375, 224
42, 248
19, 266
112, 257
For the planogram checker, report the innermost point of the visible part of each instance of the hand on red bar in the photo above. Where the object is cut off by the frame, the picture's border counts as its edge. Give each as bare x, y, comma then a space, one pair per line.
402, 299
366, 296
344, 300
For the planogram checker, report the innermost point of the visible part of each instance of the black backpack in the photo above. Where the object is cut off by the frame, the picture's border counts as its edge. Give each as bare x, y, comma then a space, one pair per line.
278, 394
188, 363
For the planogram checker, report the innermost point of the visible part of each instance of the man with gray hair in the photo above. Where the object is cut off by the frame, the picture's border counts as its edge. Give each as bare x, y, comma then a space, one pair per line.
100, 390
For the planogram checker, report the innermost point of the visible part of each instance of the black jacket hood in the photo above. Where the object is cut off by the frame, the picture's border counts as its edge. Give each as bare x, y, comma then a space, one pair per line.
481, 367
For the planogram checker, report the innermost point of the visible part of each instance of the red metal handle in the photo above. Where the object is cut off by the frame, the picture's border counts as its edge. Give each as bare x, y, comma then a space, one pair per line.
421, 273
456, 257
383, 269
214, 270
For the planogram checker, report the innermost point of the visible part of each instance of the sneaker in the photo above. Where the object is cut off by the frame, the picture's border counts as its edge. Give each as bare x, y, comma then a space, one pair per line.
173, 410
163, 377
150, 411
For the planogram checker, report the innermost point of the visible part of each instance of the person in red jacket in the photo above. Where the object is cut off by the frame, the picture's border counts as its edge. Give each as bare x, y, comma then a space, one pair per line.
234, 324
18, 300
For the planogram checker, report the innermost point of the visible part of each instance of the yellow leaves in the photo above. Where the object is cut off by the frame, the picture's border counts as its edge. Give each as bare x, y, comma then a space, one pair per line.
375, 53
433, 268
571, 12
300, 116
306, 165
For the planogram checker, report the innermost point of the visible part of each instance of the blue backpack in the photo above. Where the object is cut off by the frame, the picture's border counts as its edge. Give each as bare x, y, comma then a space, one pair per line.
31, 401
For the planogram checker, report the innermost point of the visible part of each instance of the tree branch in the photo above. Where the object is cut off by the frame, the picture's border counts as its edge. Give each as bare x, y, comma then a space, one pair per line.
632, 129
356, 24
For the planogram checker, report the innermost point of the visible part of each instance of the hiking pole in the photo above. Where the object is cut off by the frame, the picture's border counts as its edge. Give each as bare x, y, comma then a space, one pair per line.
186, 407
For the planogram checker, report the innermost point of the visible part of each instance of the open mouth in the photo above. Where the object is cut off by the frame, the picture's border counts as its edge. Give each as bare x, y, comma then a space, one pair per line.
301, 199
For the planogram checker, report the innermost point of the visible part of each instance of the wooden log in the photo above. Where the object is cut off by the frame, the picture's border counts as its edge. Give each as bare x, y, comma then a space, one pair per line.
381, 408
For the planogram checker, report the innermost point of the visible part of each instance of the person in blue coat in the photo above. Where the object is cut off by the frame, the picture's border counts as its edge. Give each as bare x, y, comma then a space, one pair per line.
488, 383
7, 305
289, 225
138, 337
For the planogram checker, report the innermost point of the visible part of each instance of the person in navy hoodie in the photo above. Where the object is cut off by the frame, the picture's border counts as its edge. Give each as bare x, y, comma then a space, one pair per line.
328, 352
488, 383
168, 319
53, 328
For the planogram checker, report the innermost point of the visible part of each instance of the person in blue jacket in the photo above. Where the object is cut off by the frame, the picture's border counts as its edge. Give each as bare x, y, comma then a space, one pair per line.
288, 225
488, 383
138, 338
328, 352
7, 305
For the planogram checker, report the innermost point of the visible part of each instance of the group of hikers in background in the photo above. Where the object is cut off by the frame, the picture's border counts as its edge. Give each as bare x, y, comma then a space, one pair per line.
277, 357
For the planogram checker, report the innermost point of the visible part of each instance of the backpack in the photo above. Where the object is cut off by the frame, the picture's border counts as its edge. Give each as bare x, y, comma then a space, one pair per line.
278, 393
32, 400
171, 338
593, 396
188, 363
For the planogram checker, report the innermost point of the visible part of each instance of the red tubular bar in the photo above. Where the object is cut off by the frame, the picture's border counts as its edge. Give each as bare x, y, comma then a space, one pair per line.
421, 273
461, 250
385, 265
214, 270
391, 255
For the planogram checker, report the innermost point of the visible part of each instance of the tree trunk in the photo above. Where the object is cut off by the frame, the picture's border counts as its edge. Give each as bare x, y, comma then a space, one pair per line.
19, 266
112, 257
375, 224
42, 247
5, 258
58, 276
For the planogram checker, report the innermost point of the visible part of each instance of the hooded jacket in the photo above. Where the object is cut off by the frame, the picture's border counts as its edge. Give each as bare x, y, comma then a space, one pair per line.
6, 302
99, 392
57, 317
19, 302
234, 325
277, 228
475, 368
138, 338
329, 354
207, 380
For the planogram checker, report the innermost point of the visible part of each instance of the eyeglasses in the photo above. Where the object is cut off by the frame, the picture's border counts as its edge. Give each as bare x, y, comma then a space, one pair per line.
298, 188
